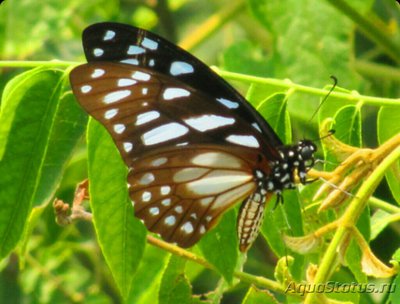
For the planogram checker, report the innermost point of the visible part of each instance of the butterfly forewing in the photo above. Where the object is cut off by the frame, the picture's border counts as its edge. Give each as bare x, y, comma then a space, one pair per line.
122, 43
145, 111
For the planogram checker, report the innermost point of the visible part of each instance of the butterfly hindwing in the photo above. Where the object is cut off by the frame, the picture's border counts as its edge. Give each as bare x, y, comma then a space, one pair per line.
182, 192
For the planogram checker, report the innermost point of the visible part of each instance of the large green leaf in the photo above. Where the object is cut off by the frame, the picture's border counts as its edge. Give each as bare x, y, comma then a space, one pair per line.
273, 109
220, 246
148, 276
348, 125
121, 236
307, 45
256, 296
388, 126
175, 287
38, 132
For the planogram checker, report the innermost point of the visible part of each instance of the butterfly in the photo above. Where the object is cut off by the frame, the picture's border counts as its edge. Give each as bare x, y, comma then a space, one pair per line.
193, 145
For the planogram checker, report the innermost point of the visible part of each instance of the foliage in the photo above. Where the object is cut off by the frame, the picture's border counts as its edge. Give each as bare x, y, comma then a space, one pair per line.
281, 53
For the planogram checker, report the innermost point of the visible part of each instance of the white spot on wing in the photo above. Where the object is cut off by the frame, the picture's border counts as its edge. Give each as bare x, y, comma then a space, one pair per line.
128, 147
244, 140
170, 220
119, 128
256, 126
152, 62
146, 117
109, 35
180, 67
187, 227
164, 133
144, 91
232, 195
116, 96
110, 113
165, 190
130, 61
97, 73
138, 75
179, 209
166, 202
146, 196
97, 52
154, 211
149, 43
172, 93
228, 103
135, 50
124, 82
218, 181
188, 174
206, 201
86, 89
147, 179
159, 161
216, 158
209, 122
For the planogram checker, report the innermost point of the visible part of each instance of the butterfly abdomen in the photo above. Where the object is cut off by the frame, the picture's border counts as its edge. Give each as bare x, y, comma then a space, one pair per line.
251, 217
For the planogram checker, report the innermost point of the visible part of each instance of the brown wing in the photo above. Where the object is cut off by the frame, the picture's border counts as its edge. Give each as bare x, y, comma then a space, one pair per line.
181, 193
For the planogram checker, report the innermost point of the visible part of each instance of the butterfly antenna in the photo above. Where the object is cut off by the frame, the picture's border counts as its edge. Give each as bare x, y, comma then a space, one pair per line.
335, 82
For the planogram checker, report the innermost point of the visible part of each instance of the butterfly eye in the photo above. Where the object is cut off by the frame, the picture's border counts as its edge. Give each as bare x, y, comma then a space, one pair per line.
194, 146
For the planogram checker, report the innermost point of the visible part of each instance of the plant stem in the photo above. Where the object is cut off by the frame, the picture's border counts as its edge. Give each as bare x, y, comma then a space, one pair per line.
244, 277
284, 84
379, 204
34, 64
213, 23
288, 84
378, 71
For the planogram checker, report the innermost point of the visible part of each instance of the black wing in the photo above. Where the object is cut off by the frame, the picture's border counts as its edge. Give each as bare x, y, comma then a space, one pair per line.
130, 45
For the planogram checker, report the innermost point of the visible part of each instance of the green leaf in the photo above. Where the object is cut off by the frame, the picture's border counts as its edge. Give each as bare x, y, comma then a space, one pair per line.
148, 276
325, 49
69, 125
379, 221
220, 246
388, 126
256, 296
353, 261
121, 236
246, 58
175, 287
394, 290
274, 111
347, 128
31, 134
282, 219
348, 125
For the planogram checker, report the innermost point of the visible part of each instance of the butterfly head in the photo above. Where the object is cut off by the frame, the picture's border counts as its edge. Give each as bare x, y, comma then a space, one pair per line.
300, 158
305, 150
